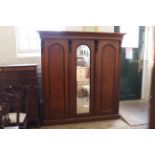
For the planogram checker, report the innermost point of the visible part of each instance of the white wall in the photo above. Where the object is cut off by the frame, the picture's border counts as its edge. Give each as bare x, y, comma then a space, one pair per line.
74, 28
7, 45
8, 48
105, 29
91, 28
148, 62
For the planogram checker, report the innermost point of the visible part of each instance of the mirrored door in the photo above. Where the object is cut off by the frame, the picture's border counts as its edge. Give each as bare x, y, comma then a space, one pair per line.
81, 77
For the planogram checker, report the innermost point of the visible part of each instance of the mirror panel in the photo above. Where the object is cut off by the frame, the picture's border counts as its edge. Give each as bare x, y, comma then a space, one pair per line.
82, 79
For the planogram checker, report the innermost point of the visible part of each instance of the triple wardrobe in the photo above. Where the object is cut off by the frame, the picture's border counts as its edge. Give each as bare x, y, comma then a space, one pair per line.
80, 75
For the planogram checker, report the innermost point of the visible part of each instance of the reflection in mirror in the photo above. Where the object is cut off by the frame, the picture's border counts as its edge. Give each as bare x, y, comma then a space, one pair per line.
83, 79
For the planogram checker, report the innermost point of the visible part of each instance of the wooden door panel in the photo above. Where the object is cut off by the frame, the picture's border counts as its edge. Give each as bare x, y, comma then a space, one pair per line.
106, 77
57, 86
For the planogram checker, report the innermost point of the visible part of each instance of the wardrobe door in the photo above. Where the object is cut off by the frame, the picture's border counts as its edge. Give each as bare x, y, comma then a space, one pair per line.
55, 79
107, 77
81, 68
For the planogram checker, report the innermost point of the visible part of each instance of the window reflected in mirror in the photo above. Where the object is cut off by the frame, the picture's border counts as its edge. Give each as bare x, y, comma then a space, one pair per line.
83, 79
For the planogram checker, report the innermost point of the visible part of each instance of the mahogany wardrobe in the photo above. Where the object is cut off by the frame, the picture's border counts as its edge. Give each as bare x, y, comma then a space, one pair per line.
80, 75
